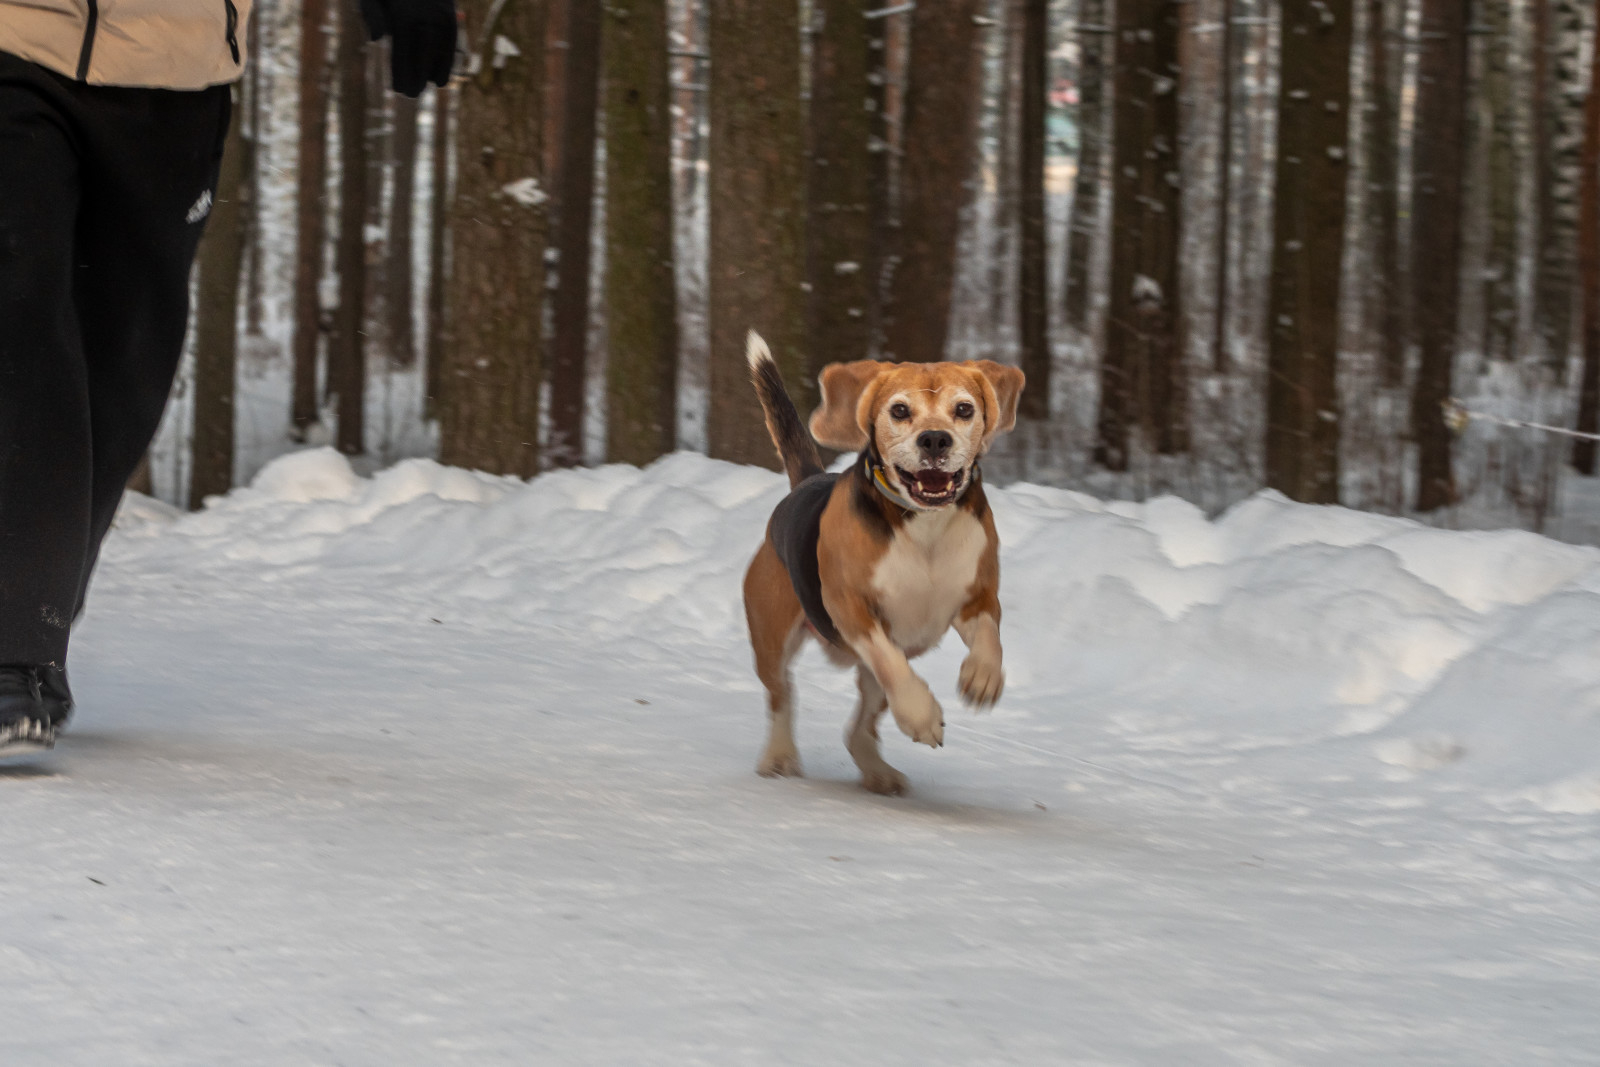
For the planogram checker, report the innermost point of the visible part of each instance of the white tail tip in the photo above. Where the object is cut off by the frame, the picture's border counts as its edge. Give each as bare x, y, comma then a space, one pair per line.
756, 350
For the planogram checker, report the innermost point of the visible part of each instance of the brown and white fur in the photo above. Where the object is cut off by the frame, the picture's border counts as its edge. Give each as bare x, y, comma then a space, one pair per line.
894, 576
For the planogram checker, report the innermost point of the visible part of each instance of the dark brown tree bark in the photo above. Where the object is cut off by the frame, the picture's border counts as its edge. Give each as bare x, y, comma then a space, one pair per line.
311, 190
255, 88
1302, 451
398, 271
1583, 452
757, 196
493, 347
1225, 85
1005, 223
573, 219
347, 370
1441, 122
1093, 33
216, 340
641, 294
1033, 277
1141, 378
941, 104
841, 264
438, 213
1385, 286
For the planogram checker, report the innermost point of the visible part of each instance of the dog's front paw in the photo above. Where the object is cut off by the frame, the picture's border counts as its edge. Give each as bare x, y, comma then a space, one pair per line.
918, 714
981, 681
783, 764
884, 780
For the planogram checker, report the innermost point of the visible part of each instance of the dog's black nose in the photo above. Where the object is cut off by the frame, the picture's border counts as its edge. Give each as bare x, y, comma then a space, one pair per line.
935, 443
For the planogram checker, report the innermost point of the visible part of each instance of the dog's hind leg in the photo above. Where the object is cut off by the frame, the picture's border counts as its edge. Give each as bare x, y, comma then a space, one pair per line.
776, 629
861, 738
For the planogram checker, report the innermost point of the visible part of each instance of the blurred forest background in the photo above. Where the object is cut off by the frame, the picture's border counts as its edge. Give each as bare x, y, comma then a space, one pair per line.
1235, 244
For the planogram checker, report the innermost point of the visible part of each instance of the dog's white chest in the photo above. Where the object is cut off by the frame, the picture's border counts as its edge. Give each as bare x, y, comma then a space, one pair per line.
924, 578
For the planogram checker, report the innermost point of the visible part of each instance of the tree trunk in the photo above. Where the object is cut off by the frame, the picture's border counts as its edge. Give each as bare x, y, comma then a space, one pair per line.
397, 274
489, 407
438, 213
941, 105
1085, 224
1583, 452
641, 294
1141, 374
1225, 79
757, 218
1499, 293
347, 372
841, 263
1385, 287
1003, 256
1441, 105
574, 216
310, 208
1558, 84
1033, 275
258, 110
217, 324
1302, 449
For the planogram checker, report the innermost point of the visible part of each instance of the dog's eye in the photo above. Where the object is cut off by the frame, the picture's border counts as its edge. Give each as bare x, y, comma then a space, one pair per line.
965, 410
900, 411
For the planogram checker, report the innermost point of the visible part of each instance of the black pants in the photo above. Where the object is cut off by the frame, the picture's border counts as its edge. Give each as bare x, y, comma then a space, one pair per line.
103, 195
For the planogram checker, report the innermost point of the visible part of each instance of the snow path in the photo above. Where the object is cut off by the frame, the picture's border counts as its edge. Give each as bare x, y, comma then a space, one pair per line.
441, 768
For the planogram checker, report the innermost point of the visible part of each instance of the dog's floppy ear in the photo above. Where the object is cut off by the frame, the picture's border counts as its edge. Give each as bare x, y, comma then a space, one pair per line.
842, 420
1002, 388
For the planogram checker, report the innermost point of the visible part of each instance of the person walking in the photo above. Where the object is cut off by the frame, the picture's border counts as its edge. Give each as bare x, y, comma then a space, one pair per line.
112, 121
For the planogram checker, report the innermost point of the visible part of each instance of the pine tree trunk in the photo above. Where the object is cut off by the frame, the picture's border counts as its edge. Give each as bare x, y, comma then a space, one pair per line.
880, 206
310, 191
1558, 83
1583, 452
257, 108
347, 372
1499, 293
757, 218
1385, 287
841, 264
401, 328
1225, 85
941, 106
438, 212
1436, 242
1033, 275
1085, 223
221, 260
1302, 449
574, 217
1141, 373
641, 293
493, 347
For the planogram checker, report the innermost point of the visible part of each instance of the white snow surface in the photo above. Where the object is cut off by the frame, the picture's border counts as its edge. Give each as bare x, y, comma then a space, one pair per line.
435, 767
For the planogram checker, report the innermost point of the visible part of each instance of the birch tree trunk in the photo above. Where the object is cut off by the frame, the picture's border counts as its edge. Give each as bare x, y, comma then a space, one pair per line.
1559, 85
1498, 295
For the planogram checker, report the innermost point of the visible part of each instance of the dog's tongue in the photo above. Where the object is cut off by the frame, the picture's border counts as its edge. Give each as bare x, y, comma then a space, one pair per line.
933, 481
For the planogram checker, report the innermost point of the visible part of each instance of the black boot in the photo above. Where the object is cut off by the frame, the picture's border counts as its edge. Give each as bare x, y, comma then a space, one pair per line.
25, 722
55, 694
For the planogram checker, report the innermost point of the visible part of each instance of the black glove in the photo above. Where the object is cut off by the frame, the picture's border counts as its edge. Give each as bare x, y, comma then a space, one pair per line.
424, 39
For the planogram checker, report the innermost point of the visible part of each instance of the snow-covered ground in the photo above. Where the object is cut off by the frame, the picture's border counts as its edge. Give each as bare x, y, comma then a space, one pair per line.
436, 768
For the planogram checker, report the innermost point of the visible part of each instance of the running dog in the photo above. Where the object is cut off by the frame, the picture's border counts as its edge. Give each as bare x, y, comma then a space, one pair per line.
878, 563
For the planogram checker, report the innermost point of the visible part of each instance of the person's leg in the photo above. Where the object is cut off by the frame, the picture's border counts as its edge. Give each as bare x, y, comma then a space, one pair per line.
150, 172
45, 455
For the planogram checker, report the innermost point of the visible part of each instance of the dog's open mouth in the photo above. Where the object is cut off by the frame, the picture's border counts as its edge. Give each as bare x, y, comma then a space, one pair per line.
931, 488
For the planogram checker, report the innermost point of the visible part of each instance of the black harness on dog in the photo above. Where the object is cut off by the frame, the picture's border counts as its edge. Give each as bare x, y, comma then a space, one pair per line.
797, 527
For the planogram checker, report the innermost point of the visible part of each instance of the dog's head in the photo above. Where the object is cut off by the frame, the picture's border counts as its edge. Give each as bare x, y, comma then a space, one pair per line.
930, 422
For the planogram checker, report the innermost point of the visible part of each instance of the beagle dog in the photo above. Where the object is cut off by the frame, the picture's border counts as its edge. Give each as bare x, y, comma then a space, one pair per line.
879, 562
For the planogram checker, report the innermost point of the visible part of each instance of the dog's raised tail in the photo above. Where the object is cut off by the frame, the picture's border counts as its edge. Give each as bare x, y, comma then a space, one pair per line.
796, 451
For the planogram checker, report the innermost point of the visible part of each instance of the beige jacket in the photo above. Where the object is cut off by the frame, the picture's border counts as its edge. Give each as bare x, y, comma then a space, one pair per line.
158, 44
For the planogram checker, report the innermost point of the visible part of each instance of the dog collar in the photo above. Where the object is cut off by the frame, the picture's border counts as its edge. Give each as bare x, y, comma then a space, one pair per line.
876, 475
